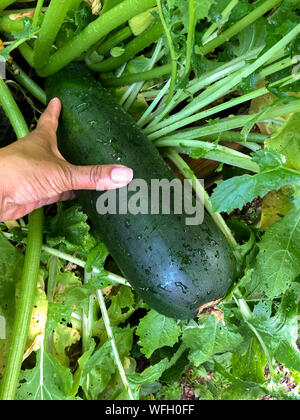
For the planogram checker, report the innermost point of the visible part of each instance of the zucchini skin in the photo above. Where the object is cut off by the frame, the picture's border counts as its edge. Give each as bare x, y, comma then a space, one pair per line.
175, 268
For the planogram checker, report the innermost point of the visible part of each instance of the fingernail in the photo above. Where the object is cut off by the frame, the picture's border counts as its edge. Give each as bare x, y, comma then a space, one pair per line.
55, 101
119, 175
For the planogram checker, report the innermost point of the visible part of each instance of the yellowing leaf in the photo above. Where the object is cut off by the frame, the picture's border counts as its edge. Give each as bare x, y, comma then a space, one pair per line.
287, 141
11, 223
38, 320
39, 315
257, 105
63, 338
275, 205
35, 346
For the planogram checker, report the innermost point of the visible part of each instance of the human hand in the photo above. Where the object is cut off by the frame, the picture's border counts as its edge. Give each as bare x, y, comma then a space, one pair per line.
33, 173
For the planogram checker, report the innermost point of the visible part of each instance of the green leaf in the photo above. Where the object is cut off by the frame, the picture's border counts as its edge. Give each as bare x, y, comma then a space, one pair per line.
280, 332
251, 365
149, 375
97, 372
121, 308
58, 313
82, 361
138, 64
28, 30
70, 227
207, 337
242, 392
101, 365
96, 258
20, 37
115, 390
237, 389
59, 280
48, 381
156, 331
172, 3
171, 391
202, 8
289, 355
251, 38
278, 261
269, 159
235, 192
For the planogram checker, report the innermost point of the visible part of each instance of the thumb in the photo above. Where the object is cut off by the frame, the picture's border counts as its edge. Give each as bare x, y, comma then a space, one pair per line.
48, 121
104, 177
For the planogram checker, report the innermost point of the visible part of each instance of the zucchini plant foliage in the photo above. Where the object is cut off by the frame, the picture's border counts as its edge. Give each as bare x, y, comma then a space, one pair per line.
197, 76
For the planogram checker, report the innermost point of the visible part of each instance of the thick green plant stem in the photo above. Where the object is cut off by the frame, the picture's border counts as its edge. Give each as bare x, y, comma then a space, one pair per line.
9, 25
75, 4
214, 152
24, 80
5, 3
27, 53
12, 111
17, 11
132, 48
37, 12
109, 5
172, 52
30, 270
96, 30
224, 86
135, 88
114, 40
190, 37
137, 77
52, 22
193, 87
24, 306
225, 125
235, 137
219, 108
239, 26
157, 102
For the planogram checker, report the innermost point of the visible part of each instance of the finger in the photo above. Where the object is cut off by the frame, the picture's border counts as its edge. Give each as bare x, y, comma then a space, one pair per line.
48, 122
105, 177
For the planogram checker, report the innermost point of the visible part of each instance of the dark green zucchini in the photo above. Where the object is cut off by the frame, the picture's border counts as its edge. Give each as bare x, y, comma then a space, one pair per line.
175, 268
